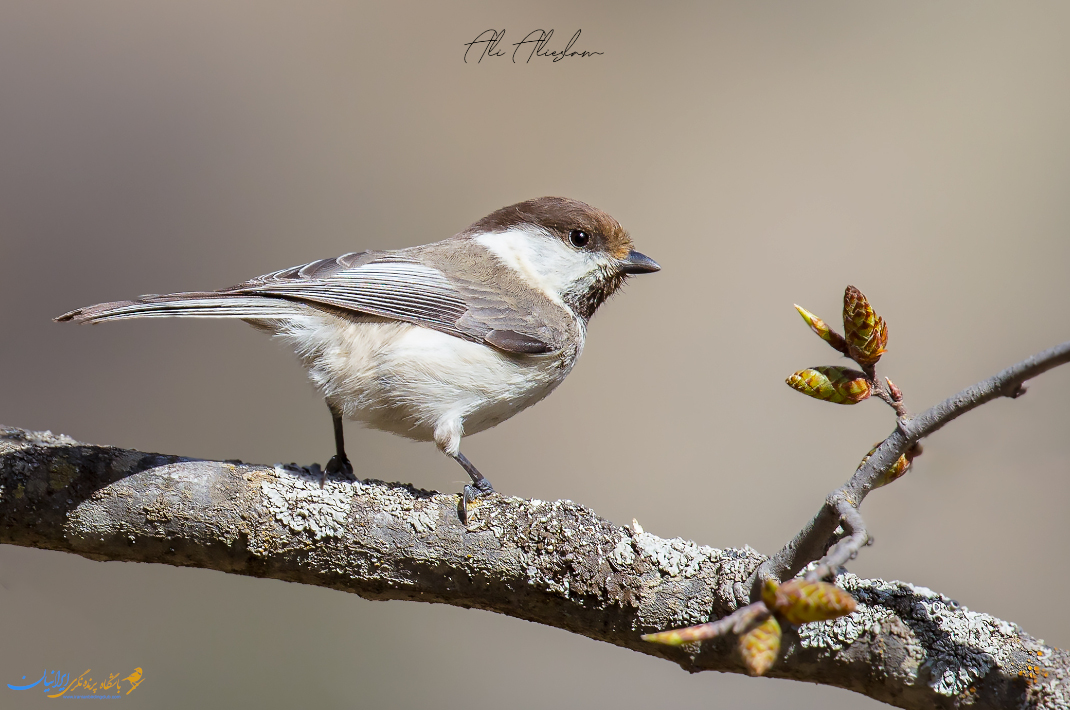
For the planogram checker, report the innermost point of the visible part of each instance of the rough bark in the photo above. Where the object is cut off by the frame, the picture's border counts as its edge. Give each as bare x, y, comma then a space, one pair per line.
555, 563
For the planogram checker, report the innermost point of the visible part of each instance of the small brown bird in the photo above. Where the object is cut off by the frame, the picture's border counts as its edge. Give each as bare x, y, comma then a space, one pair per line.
433, 342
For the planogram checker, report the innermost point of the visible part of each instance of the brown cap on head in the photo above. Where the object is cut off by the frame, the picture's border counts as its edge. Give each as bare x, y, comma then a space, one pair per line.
572, 221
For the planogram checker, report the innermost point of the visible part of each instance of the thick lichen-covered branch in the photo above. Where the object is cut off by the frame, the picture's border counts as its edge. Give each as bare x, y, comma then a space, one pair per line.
555, 563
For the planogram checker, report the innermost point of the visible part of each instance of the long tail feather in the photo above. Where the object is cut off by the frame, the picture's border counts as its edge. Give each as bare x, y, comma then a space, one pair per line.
185, 305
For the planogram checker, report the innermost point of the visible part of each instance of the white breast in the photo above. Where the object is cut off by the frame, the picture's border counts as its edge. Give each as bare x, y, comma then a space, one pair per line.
419, 382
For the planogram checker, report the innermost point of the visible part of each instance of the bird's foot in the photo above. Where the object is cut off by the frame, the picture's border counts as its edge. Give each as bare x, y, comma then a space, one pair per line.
337, 464
471, 496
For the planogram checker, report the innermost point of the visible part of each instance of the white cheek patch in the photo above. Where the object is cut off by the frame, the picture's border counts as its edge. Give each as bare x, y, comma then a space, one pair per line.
546, 263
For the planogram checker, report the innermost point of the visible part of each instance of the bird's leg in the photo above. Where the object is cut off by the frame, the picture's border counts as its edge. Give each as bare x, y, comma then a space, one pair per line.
339, 463
479, 488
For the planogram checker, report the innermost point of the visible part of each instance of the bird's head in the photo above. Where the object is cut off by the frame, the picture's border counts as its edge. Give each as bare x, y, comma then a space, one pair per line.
565, 248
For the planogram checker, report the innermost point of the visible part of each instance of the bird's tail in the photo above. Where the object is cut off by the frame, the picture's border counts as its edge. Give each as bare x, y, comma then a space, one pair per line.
187, 305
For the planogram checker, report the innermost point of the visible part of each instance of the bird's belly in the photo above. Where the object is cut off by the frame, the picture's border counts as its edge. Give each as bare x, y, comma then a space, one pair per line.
411, 380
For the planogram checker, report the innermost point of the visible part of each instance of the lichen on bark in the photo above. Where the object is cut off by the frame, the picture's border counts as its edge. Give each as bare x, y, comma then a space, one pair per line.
553, 562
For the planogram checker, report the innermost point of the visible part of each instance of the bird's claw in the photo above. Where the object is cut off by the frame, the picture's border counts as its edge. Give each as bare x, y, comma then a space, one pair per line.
472, 494
339, 464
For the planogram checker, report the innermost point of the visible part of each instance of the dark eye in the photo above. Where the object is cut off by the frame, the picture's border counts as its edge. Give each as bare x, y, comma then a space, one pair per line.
579, 238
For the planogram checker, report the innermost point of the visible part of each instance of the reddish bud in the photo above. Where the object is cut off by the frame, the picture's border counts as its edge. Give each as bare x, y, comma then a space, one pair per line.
866, 332
901, 466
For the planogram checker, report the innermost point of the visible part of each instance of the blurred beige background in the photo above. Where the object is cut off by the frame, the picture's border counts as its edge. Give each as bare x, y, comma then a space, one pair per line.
764, 153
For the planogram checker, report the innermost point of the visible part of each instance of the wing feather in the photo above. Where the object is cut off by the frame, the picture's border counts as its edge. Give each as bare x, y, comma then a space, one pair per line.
406, 291
395, 285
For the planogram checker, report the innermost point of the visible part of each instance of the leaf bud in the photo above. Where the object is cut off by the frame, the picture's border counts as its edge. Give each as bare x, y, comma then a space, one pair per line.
835, 384
866, 332
800, 601
823, 331
760, 646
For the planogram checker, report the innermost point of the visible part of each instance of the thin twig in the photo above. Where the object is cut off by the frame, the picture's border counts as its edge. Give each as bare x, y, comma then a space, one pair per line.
891, 395
809, 544
738, 622
847, 548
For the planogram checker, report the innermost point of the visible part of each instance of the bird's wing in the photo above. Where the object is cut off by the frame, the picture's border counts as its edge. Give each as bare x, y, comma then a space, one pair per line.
395, 285
402, 287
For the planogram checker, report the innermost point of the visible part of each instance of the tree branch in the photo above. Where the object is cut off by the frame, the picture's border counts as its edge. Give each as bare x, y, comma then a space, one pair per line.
812, 541
555, 563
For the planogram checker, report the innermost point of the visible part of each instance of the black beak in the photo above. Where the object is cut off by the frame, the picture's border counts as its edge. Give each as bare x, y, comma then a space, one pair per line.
636, 263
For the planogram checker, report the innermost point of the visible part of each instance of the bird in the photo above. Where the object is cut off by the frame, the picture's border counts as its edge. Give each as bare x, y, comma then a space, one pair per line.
437, 341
